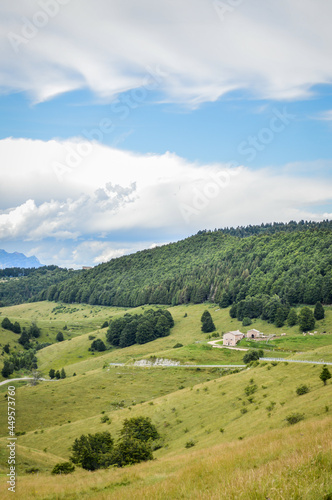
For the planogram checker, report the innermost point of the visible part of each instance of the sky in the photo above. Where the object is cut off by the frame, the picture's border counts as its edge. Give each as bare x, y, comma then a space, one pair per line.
126, 125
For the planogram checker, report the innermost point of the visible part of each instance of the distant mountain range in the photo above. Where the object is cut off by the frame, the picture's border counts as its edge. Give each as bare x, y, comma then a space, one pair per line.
17, 259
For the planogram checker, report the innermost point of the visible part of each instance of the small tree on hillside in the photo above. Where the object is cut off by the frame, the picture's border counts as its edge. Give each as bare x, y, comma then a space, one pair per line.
62, 373
207, 322
93, 451
51, 373
306, 319
292, 318
139, 428
16, 327
252, 355
325, 374
59, 337
319, 312
57, 374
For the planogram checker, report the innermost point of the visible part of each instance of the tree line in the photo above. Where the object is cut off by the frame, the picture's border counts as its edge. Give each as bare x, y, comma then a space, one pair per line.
139, 329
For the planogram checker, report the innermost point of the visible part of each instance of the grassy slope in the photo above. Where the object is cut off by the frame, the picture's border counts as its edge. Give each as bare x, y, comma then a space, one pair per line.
197, 411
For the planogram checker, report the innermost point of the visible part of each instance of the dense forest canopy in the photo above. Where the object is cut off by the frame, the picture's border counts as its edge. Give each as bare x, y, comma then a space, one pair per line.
292, 261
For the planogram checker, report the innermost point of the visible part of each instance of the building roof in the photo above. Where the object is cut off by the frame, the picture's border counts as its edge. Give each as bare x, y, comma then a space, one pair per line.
236, 333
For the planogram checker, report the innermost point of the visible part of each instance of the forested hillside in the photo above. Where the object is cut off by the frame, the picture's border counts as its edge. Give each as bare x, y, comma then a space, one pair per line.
293, 261
18, 285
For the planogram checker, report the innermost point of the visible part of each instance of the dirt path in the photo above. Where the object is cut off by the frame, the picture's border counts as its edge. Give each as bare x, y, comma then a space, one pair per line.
215, 342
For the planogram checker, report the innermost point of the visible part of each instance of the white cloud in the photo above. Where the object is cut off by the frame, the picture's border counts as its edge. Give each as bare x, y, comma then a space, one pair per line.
92, 212
274, 49
325, 116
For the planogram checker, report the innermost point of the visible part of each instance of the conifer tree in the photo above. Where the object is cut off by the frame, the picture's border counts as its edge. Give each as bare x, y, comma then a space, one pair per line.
319, 312
207, 322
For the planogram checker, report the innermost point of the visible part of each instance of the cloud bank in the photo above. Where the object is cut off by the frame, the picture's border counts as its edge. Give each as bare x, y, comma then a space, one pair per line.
97, 208
197, 50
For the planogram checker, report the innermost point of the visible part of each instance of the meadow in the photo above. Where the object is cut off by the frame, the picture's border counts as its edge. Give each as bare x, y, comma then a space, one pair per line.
237, 436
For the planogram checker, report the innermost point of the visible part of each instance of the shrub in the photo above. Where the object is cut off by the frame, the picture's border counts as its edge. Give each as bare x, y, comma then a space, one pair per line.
246, 321
302, 389
295, 417
190, 443
176, 346
63, 468
253, 355
250, 389
32, 470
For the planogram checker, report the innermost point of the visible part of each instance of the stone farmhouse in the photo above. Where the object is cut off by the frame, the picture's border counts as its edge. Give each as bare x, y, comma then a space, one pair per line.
232, 338
254, 334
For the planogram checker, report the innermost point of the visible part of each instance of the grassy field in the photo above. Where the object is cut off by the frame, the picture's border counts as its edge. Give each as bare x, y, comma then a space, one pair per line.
239, 440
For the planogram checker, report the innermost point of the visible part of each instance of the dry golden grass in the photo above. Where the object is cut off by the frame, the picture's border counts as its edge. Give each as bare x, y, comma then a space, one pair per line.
293, 463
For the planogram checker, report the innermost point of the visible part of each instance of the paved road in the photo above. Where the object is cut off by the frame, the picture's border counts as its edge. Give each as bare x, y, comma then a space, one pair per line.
23, 378
178, 366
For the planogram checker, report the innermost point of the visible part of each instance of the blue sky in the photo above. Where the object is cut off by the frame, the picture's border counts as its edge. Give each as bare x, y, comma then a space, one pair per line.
122, 128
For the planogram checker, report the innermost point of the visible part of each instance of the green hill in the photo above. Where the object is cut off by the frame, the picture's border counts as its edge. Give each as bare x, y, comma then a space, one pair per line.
292, 261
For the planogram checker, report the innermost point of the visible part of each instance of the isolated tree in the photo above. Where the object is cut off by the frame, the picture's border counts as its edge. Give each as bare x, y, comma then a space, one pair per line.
207, 322
319, 312
51, 373
306, 319
93, 451
325, 374
36, 377
62, 373
292, 318
59, 337
105, 324
57, 374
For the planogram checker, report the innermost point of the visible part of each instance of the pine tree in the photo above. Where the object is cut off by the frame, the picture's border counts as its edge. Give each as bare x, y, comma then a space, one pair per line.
57, 375
319, 312
51, 373
62, 373
207, 322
